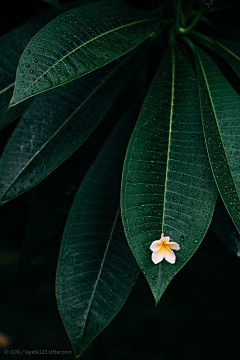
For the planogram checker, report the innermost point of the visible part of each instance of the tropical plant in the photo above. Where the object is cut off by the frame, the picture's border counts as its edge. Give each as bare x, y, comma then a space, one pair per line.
148, 92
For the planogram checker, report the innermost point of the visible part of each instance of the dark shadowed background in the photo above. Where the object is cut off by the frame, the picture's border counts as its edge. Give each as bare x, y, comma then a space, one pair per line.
197, 317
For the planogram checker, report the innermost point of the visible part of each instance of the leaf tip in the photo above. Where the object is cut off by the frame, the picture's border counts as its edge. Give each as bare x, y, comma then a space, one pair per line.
156, 300
11, 104
157, 294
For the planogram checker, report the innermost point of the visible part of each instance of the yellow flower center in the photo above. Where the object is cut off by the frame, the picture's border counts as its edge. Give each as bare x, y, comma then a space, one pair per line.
164, 242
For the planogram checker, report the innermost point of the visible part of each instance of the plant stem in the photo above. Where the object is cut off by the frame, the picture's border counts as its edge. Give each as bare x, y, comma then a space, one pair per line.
158, 32
189, 10
183, 19
205, 40
189, 43
207, 22
192, 25
171, 37
177, 7
202, 36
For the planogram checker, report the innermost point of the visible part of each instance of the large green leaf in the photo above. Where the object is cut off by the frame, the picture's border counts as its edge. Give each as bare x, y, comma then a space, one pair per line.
220, 107
224, 228
49, 206
56, 124
230, 50
167, 184
12, 45
96, 270
51, 200
78, 42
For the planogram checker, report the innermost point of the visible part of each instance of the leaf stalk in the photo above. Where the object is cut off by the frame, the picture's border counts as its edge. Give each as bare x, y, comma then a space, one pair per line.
195, 21
204, 40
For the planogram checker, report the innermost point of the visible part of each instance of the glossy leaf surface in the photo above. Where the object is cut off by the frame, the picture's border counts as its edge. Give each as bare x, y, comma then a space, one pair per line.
78, 42
55, 125
230, 50
167, 184
12, 45
220, 106
96, 270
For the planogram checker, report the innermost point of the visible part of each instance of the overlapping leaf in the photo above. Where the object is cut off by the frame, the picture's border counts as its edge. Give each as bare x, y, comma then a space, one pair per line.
224, 228
167, 184
78, 42
230, 50
52, 199
48, 210
12, 45
55, 125
220, 107
96, 270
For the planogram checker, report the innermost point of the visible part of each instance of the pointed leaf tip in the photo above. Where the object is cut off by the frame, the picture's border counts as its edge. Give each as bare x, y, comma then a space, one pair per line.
96, 269
36, 152
220, 117
15, 42
78, 42
167, 184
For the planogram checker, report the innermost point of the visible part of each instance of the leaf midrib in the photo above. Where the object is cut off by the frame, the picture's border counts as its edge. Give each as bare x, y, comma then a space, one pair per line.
63, 125
84, 44
228, 50
100, 270
216, 119
169, 135
7, 88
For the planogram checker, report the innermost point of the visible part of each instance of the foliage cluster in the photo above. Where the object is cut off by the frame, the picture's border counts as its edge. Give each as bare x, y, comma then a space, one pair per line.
152, 100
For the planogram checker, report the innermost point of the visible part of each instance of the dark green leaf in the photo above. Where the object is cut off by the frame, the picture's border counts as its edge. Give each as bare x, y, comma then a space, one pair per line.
51, 200
12, 45
167, 184
48, 210
224, 228
78, 42
55, 125
230, 50
220, 107
96, 270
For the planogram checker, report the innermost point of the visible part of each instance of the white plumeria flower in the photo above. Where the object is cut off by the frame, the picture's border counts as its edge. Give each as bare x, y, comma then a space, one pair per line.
162, 250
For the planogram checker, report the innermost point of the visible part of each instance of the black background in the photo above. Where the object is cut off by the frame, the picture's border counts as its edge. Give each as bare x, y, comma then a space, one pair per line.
197, 317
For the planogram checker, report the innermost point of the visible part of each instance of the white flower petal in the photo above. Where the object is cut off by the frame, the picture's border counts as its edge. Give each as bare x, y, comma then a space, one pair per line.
158, 256
173, 245
155, 245
169, 255
166, 238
